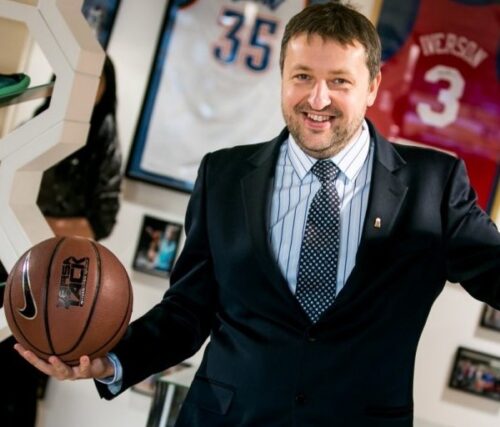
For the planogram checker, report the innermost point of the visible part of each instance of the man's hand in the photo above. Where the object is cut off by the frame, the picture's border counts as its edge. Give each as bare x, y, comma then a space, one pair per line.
72, 226
97, 368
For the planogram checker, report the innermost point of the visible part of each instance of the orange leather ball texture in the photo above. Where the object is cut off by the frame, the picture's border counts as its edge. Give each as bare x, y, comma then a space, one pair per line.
68, 296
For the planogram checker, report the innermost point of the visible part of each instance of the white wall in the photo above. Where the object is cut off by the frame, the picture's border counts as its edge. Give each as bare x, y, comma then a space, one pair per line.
453, 321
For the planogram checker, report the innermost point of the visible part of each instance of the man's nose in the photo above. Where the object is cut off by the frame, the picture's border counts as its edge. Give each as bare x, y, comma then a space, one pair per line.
320, 96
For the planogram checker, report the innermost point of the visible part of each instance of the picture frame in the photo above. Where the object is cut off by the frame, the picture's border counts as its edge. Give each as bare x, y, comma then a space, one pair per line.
157, 246
214, 84
411, 107
476, 373
101, 14
168, 394
134, 168
490, 318
147, 387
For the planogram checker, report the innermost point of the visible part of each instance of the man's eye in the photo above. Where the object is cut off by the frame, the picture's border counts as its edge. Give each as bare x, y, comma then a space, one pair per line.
340, 81
302, 77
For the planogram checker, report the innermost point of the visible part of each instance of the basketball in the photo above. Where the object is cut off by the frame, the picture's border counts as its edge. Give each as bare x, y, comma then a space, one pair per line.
68, 297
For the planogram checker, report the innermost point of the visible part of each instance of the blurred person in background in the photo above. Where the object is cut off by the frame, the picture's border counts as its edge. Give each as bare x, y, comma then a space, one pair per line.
79, 196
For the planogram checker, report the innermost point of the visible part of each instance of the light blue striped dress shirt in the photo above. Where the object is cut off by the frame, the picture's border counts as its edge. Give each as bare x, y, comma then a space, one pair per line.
294, 188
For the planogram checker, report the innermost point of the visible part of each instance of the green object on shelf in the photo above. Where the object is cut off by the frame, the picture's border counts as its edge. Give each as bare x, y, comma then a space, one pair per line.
13, 84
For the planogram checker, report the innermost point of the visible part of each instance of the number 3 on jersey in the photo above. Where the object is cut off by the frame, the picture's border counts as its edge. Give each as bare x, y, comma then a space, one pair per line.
448, 97
255, 50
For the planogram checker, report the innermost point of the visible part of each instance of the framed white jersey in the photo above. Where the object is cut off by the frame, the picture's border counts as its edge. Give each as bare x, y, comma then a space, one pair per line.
215, 83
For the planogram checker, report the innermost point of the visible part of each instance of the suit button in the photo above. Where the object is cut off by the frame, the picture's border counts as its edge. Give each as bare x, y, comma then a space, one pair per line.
300, 399
310, 335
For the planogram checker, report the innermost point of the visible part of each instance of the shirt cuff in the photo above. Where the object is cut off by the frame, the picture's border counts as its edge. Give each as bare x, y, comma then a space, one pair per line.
114, 382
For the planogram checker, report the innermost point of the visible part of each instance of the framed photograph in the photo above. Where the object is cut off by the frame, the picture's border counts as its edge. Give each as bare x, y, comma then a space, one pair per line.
490, 318
148, 386
157, 246
170, 391
476, 373
176, 394
100, 15
214, 83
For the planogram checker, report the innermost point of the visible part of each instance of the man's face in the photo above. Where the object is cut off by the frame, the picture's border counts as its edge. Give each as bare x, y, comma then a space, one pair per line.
325, 91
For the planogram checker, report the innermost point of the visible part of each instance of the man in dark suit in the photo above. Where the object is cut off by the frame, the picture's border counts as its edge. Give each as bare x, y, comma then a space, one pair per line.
312, 257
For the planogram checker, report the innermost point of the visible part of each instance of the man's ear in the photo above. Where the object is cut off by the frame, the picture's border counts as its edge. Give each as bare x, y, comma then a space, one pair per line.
373, 89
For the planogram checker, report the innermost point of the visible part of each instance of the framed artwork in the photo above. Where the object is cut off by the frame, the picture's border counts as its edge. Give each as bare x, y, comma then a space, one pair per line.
157, 246
476, 373
148, 386
490, 318
441, 83
100, 15
167, 396
214, 83
176, 394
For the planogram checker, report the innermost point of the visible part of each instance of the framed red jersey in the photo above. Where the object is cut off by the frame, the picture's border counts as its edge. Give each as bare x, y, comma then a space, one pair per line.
440, 82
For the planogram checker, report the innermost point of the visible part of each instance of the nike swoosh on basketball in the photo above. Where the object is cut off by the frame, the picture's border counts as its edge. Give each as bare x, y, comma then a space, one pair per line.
29, 310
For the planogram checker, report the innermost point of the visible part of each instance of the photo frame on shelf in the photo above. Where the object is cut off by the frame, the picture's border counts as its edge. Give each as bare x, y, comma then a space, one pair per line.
490, 318
476, 373
157, 246
101, 14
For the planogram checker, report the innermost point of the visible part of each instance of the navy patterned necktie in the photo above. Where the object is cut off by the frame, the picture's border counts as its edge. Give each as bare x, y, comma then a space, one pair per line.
317, 274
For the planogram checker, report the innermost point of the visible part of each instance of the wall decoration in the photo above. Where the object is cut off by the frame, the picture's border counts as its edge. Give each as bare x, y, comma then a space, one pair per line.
440, 83
170, 391
148, 386
476, 373
157, 247
215, 83
100, 15
490, 318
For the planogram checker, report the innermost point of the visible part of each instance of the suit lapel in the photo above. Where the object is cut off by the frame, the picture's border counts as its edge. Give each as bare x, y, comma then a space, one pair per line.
387, 195
257, 187
387, 192
386, 198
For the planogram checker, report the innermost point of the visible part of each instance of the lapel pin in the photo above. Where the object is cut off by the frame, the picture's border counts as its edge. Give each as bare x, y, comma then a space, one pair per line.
378, 223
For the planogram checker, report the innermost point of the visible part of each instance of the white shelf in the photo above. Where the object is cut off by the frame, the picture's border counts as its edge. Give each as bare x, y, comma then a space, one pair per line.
35, 92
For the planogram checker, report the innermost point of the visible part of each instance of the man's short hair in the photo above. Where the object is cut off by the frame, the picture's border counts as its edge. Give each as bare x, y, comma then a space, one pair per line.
335, 21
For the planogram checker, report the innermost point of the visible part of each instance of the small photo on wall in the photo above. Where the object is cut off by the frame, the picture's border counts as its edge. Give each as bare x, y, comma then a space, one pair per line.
490, 318
157, 247
476, 373
100, 14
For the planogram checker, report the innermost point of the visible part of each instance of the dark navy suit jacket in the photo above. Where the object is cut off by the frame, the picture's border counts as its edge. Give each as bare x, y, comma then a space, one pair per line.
266, 365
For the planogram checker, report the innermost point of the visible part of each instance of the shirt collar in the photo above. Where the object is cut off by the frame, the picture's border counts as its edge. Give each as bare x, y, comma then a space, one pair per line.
349, 160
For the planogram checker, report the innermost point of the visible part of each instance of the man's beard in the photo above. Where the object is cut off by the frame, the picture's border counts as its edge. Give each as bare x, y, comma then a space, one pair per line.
341, 134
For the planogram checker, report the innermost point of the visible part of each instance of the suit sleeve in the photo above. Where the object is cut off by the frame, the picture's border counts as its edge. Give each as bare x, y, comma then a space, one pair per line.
472, 241
174, 329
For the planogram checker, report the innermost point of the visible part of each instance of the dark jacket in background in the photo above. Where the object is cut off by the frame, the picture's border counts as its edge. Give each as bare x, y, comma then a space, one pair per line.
87, 183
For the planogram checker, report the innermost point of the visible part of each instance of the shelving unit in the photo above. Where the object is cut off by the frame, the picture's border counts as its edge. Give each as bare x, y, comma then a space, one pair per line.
76, 57
35, 92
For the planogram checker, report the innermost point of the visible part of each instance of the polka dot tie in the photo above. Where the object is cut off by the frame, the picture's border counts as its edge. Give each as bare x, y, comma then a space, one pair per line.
317, 274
